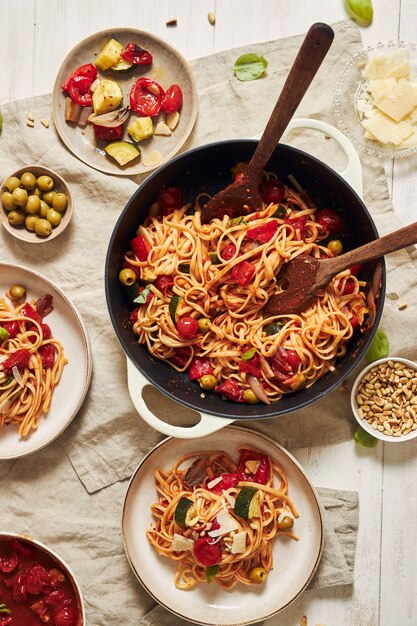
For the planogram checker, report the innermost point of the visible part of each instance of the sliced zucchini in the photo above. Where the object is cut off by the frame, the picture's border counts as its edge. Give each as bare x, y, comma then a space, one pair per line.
184, 267
184, 512
247, 503
107, 96
174, 307
122, 151
141, 128
121, 66
272, 328
109, 55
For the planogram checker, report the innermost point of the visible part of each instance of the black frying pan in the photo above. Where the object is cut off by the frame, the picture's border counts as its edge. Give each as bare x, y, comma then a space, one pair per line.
208, 169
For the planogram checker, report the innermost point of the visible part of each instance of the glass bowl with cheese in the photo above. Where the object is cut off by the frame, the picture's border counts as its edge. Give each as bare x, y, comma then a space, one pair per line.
375, 100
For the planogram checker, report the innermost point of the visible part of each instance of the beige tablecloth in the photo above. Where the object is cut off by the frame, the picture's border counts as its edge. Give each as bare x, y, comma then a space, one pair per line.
107, 439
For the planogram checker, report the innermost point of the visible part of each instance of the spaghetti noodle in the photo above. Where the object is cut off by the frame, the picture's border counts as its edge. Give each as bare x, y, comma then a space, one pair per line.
201, 287
31, 364
233, 512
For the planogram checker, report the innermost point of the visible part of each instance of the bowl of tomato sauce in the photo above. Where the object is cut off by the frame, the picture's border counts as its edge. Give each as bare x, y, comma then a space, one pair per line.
36, 585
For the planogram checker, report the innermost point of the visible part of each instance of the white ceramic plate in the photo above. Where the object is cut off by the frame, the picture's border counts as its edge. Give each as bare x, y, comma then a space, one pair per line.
67, 326
294, 561
168, 67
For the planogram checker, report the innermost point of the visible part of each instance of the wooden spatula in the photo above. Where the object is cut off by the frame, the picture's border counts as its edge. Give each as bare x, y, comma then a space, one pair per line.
306, 275
242, 196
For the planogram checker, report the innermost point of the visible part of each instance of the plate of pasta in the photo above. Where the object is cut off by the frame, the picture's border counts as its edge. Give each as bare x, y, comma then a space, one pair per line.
224, 529
45, 361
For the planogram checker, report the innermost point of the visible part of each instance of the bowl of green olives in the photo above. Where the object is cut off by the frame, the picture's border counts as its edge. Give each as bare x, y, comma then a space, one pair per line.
36, 204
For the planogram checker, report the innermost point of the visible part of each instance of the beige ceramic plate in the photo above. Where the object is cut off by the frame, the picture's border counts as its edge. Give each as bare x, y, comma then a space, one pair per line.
168, 67
295, 561
67, 326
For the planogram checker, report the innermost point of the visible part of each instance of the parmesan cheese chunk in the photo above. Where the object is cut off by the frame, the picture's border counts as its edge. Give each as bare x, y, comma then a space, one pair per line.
227, 524
239, 542
214, 482
411, 140
393, 65
381, 87
182, 544
399, 101
386, 130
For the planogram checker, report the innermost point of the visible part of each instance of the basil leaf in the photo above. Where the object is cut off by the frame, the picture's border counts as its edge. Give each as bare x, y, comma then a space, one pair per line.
281, 212
248, 354
272, 328
4, 609
362, 9
211, 571
237, 220
250, 66
363, 438
141, 299
379, 347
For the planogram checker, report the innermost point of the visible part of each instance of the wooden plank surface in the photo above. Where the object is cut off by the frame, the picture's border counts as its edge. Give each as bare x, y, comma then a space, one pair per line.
37, 34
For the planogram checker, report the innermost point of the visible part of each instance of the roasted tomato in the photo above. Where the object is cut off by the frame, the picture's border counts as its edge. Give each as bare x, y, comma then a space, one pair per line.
172, 99
207, 552
145, 97
187, 327
272, 191
133, 53
329, 220
108, 134
78, 84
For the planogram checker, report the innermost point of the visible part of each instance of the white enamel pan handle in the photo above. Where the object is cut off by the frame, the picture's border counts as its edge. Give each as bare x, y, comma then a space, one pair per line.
208, 424
353, 171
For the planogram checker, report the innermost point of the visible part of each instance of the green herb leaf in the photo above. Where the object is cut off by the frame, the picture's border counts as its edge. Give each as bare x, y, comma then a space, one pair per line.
250, 66
184, 267
141, 299
379, 347
363, 438
211, 571
4, 334
4, 609
280, 212
214, 258
246, 356
237, 220
361, 9
273, 328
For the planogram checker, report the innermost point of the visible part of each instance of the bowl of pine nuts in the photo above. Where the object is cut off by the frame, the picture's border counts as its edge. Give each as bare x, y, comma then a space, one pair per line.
384, 399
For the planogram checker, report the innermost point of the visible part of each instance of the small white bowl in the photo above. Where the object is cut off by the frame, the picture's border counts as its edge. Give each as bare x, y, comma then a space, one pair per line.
362, 421
21, 232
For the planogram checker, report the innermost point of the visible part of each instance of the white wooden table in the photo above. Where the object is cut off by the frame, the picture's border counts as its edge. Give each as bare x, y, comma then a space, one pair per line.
36, 36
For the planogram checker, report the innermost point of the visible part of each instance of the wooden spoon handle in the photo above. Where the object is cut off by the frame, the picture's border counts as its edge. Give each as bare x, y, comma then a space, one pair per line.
308, 60
397, 240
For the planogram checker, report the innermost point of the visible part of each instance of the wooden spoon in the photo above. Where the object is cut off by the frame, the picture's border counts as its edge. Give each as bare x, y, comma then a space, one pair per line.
307, 275
242, 196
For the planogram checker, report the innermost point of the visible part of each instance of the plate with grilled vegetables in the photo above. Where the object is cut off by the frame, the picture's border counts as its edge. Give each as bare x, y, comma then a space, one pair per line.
124, 101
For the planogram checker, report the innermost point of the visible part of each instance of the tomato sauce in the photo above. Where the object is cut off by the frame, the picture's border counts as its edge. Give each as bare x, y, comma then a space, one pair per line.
34, 588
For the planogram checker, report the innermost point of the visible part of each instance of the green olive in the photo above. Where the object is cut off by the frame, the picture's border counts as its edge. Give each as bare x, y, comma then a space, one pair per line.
250, 397
286, 523
16, 218
258, 575
43, 210
341, 350
208, 382
28, 181
59, 202
203, 324
45, 183
335, 246
12, 183
17, 292
48, 197
30, 221
37, 192
53, 217
7, 201
127, 277
33, 204
20, 196
43, 227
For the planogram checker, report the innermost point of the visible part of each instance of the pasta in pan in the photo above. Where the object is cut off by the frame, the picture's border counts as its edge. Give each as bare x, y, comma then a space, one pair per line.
218, 519
31, 363
200, 289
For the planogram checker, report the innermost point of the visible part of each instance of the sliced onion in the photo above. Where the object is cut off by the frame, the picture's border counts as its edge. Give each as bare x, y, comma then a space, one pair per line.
112, 119
257, 389
17, 376
85, 114
5, 405
265, 367
196, 473
72, 111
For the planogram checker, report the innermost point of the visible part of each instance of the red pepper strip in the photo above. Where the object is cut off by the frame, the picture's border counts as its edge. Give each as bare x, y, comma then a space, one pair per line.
243, 272
199, 366
263, 472
252, 366
78, 84
164, 283
47, 353
29, 311
140, 247
133, 53
263, 233
227, 481
88, 70
19, 359
231, 390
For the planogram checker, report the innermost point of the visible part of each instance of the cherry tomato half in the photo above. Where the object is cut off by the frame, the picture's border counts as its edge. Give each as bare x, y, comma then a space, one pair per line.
243, 272
133, 53
228, 251
145, 97
78, 84
187, 327
172, 100
272, 191
65, 616
108, 134
330, 220
207, 552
